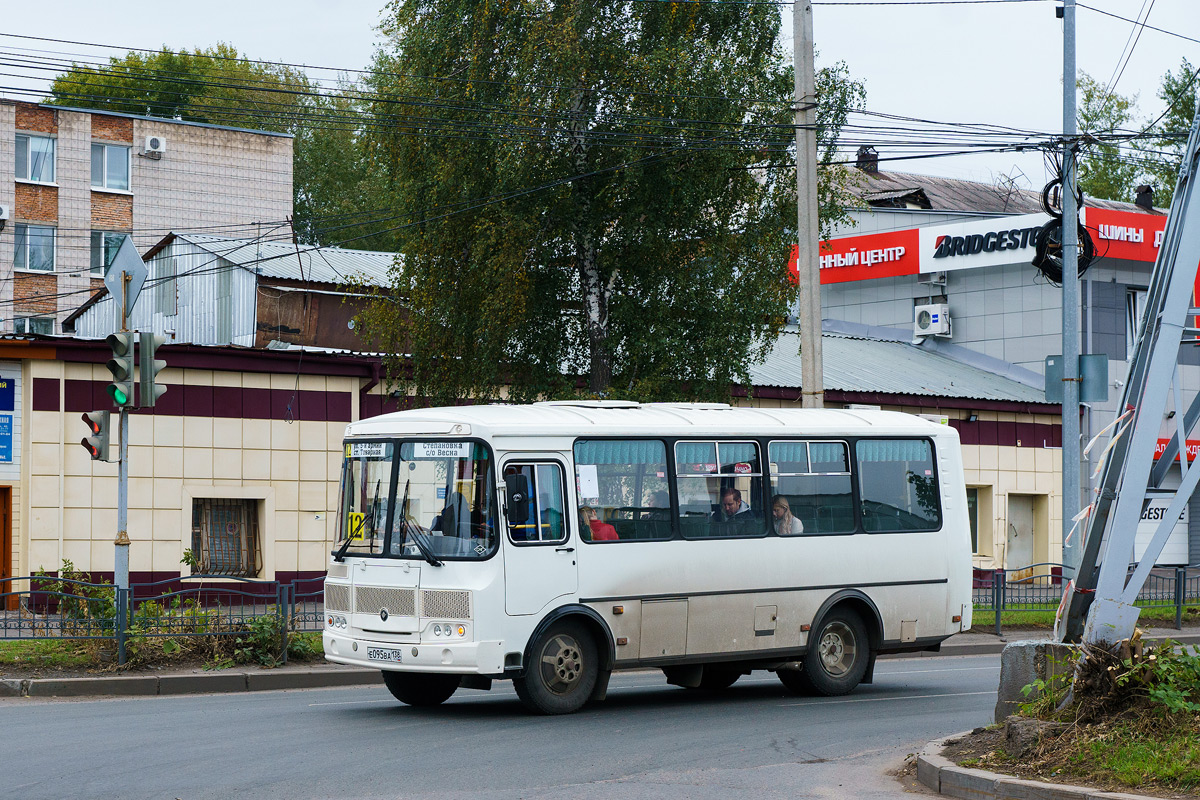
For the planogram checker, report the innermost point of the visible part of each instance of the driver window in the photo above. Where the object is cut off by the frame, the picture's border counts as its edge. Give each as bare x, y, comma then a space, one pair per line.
546, 521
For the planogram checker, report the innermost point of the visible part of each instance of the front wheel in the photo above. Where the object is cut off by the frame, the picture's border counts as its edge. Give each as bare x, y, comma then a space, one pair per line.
417, 689
562, 670
837, 655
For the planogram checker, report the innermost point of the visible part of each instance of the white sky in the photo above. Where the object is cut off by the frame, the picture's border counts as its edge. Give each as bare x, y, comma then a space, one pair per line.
998, 63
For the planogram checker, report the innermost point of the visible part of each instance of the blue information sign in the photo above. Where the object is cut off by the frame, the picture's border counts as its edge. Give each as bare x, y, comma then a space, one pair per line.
7, 394
6, 437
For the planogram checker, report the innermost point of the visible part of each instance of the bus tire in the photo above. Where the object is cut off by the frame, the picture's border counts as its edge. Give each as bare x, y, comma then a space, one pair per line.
563, 667
837, 655
420, 689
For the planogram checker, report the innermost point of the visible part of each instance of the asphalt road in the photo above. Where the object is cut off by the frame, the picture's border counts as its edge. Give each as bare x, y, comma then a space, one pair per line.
647, 740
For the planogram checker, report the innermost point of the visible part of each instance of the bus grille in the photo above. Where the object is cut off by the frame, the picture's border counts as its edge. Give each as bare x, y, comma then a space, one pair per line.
398, 602
446, 604
337, 597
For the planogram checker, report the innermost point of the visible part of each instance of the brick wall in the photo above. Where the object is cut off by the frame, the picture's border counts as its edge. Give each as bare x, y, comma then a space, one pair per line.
36, 119
34, 294
112, 129
112, 212
36, 203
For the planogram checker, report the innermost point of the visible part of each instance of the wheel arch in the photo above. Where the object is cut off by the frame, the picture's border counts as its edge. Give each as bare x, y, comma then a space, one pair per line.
591, 620
862, 605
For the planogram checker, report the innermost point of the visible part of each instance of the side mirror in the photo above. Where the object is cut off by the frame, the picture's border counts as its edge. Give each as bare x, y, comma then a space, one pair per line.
517, 488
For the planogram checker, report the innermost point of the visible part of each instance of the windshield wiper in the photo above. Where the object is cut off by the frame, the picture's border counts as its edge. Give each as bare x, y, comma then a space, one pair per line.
426, 553
340, 555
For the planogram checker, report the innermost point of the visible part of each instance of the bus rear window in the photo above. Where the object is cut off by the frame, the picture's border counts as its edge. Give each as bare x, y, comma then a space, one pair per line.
898, 484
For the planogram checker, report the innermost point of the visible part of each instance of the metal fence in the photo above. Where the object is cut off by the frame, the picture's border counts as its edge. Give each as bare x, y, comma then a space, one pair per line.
48, 607
1039, 587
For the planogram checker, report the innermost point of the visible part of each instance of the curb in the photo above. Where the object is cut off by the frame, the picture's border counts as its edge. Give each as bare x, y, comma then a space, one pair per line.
945, 777
997, 646
200, 683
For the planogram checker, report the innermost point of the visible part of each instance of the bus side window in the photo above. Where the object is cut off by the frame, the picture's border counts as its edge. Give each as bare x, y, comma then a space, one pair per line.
624, 483
898, 485
814, 478
546, 522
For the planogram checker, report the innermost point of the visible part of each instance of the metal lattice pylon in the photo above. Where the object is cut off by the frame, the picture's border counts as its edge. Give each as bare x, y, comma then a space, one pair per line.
1100, 606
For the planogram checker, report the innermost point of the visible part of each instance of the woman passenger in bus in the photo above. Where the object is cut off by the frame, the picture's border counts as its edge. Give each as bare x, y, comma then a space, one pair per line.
596, 530
785, 523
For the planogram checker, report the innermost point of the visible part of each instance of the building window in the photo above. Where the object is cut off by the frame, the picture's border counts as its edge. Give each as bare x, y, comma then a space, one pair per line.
225, 537
43, 325
1135, 305
110, 166
35, 158
104, 249
973, 516
33, 247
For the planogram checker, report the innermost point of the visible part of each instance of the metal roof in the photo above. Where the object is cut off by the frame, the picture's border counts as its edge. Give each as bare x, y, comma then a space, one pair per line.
297, 262
953, 194
864, 364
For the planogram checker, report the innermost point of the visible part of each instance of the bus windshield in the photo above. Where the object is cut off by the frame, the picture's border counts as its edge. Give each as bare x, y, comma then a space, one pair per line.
400, 498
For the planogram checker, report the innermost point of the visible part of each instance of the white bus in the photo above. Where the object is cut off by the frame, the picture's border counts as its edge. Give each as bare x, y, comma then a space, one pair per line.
553, 543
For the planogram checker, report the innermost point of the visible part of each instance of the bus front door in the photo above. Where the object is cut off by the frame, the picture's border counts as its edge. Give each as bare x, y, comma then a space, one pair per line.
539, 554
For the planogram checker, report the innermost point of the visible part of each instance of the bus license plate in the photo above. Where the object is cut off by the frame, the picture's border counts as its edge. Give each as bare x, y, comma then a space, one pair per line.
384, 654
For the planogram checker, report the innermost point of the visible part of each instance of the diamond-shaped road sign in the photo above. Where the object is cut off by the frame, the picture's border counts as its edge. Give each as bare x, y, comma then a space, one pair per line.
127, 262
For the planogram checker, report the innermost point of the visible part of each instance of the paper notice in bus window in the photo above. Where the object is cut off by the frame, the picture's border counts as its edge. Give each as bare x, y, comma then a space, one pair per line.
442, 450
368, 450
589, 480
741, 469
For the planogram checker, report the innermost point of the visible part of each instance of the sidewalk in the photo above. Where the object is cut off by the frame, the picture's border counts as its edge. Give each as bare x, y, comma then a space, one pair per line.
325, 674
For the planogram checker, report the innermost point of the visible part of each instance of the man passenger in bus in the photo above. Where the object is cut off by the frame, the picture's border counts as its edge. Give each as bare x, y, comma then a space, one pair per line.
733, 507
785, 523
596, 530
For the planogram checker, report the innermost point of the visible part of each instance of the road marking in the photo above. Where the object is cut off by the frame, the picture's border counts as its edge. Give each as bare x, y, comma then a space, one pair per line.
883, 699
952, 669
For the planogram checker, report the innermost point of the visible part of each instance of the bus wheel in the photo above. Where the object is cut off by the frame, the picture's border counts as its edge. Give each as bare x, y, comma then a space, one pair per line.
715, 680
561, 672
417, 689
837, 655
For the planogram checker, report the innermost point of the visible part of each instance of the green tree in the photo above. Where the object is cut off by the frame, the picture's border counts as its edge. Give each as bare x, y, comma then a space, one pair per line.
1178, 90
217, 85
589, 187
1107, 169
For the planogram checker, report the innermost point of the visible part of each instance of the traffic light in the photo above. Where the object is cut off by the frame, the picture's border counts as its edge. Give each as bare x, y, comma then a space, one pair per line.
121, 366
97, 442
149, 367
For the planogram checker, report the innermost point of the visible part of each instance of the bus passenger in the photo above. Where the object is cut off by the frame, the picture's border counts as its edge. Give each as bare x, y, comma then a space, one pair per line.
596, 530
733, 508
785, 523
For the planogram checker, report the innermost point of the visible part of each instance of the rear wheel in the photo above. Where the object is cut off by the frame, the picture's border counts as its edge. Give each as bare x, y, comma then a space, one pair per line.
837, 655
562, 670
418, 689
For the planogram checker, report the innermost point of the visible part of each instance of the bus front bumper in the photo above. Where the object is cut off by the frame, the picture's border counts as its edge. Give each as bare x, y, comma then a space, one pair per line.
458, 658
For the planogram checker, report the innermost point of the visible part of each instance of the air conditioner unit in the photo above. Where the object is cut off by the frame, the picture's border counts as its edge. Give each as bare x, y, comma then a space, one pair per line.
931, 320
5, 212
932, 278
156, 144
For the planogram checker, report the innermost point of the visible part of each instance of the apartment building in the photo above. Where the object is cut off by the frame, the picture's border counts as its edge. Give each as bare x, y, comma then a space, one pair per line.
81, 180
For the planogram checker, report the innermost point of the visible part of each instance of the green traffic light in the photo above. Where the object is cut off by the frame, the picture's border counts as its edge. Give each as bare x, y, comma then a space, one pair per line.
119, 397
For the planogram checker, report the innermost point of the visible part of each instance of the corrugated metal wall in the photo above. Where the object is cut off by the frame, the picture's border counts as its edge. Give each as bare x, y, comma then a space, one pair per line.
192, 296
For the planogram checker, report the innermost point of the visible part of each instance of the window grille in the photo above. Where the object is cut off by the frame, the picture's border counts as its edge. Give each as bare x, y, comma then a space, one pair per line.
225, 537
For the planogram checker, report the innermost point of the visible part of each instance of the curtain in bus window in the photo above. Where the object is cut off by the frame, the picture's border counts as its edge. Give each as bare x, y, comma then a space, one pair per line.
814, 478
624, 481
898, 484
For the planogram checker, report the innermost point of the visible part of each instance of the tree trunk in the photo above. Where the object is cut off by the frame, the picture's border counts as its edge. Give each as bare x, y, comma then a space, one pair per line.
595, 291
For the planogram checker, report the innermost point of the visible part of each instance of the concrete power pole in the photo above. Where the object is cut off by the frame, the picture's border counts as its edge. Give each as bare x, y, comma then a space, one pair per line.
1071, 494
812, 380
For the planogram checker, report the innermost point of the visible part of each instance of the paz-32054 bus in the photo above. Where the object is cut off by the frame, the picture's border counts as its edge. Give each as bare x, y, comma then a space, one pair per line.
550, 544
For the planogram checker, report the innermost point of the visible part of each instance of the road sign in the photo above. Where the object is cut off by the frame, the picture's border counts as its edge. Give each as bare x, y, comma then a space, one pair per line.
126, 262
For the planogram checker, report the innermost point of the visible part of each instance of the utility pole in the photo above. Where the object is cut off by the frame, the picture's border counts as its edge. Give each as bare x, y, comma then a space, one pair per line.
812, 381
1071, 494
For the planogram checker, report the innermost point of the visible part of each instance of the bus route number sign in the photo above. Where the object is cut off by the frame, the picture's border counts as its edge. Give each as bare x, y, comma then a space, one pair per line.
357, 524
